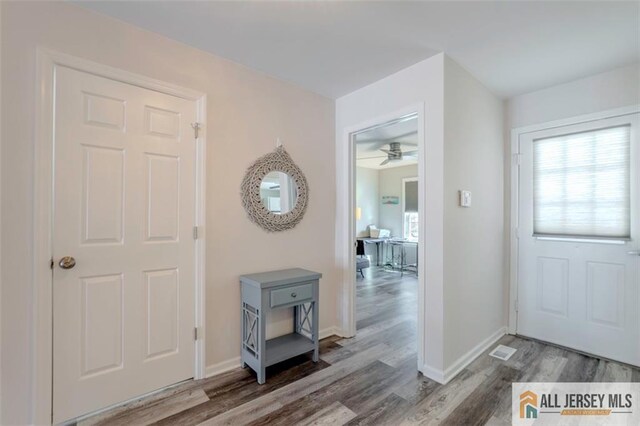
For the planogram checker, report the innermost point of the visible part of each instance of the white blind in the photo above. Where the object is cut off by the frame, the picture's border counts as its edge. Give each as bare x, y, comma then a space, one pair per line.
581, 184
411, 196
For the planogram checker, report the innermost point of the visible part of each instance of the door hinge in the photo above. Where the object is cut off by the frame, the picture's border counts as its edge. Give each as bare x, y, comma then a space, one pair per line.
195, 232
51, 264
517, 158
517, 232
196, 333
515, 305
196, 129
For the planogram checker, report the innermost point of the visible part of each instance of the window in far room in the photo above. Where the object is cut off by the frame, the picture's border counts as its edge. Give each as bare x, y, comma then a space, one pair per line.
411, 226
410, 209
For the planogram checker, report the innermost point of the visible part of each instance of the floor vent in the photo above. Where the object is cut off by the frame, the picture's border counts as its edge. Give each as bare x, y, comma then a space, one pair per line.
502, 352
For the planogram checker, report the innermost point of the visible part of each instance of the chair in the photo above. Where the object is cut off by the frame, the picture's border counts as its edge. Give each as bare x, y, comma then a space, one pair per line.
361, 260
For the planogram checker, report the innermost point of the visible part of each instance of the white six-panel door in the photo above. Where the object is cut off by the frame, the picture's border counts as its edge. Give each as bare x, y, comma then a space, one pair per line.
124, 209
576, 292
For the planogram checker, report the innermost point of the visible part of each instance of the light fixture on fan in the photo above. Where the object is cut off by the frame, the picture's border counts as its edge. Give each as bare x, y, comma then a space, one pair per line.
394, 153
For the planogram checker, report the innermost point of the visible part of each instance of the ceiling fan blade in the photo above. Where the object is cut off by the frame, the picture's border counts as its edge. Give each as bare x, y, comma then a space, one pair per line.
386, 151
372, 158
384, 162
410, 153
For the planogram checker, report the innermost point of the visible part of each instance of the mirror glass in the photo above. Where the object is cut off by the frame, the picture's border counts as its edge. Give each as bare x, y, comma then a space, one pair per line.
278, 192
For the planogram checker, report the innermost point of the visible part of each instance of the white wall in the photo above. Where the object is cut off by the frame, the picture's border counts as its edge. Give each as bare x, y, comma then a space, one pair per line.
246, 112
419, 86
463, 254
600, 92
368, 199
1, 390
391, 184
473, 244
609, 90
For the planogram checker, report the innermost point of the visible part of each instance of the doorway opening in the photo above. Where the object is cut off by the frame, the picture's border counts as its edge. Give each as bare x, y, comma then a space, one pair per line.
386, 225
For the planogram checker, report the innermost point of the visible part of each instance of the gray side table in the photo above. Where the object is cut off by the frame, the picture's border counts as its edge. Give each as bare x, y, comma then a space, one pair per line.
267, 291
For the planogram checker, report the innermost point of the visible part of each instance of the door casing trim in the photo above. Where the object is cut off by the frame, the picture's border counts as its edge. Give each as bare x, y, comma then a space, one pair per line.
516, 133
345, 222
46, 63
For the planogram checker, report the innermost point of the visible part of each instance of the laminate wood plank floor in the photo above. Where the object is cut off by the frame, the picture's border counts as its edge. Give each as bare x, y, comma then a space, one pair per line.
370, 379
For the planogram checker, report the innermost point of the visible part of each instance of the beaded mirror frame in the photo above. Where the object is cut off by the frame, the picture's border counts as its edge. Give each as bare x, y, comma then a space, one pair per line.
276, 161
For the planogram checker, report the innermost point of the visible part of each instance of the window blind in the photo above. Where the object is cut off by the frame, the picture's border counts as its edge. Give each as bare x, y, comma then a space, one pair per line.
411, 196
582, 184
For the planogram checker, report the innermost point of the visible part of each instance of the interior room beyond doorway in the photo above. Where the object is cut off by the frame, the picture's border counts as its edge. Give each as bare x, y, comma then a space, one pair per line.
386, 211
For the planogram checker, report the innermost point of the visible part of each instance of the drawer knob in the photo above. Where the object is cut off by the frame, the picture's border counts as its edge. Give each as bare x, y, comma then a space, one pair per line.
294, 294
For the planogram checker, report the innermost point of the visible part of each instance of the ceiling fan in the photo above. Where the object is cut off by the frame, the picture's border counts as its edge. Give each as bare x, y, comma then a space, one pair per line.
394, 153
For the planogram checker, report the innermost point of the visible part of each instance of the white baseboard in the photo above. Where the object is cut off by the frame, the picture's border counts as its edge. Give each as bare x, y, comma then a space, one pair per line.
452, 371
330, 331
433, 373
474, 353
222, 367
230, 364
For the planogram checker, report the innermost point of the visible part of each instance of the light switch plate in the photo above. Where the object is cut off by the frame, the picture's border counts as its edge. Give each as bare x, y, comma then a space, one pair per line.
465, 198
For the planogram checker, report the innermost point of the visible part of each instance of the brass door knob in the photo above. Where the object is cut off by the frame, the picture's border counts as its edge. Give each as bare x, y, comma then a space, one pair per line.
67, 262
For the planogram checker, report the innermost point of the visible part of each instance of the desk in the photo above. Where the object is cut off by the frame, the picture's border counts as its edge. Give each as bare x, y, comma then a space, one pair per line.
377, 242
403, 265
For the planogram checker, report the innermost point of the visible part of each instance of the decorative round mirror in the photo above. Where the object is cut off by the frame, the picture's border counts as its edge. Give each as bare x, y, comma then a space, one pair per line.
278, 192
274, 192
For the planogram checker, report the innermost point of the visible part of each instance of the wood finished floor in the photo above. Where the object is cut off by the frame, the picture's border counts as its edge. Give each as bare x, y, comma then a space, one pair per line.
367, 380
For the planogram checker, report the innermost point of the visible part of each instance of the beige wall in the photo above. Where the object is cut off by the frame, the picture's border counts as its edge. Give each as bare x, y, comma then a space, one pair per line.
246, 112
473, 244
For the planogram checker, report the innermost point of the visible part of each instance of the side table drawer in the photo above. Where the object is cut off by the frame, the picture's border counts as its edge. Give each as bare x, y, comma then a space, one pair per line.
286, 296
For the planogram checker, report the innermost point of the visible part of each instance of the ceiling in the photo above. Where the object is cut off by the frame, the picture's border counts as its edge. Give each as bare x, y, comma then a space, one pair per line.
334, 48
368, 144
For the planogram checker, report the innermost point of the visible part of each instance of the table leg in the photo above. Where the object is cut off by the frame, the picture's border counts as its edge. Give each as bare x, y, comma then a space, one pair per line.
316, 328
262, 375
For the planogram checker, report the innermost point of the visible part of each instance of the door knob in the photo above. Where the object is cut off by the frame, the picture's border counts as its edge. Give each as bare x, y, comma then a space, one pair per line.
634, 253
67, 262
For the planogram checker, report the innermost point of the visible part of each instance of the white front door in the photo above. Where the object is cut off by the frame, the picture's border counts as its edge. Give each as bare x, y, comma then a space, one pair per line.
579, 229
124, 209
